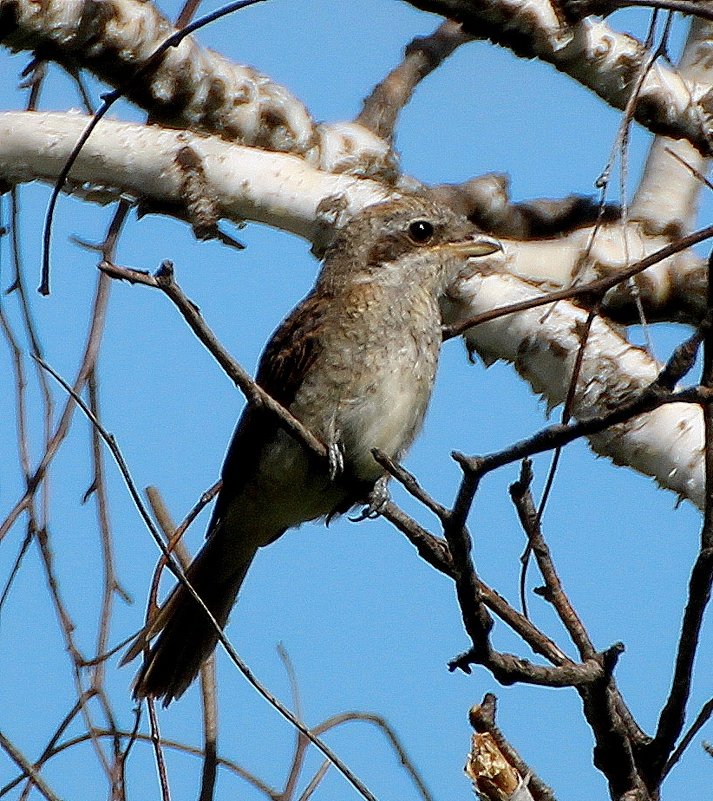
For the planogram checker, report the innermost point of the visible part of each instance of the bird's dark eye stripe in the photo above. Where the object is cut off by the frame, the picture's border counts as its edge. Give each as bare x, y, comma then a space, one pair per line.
420, 231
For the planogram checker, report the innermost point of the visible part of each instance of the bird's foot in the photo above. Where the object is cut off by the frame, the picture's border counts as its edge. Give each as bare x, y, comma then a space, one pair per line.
376, 501
335, 456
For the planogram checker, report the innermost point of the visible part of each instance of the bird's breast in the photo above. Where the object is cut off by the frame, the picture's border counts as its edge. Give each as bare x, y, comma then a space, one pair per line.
371, 385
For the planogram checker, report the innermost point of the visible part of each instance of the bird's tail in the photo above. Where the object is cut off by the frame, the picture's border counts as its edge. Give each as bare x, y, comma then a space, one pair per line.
187, 636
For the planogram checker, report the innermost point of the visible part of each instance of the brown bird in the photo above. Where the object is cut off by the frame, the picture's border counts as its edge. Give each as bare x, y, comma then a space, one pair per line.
355, 362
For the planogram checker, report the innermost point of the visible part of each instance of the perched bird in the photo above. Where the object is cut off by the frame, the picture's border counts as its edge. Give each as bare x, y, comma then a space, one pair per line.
355, 362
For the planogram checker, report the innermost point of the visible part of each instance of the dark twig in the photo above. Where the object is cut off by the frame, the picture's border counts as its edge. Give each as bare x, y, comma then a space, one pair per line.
553, 590
409, 482
431, 549
671, 720
435, 551
583, 332
505, 668
110, 583
174, 536
322, 728
701, 719
554, 436
255, 395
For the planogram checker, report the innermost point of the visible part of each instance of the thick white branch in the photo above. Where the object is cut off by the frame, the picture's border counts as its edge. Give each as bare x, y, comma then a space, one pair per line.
604, 60
543, 343
666, 200
192, 87
142, 161
674, 289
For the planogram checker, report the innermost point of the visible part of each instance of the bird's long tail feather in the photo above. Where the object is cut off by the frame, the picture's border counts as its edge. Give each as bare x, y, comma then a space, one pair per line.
187, 636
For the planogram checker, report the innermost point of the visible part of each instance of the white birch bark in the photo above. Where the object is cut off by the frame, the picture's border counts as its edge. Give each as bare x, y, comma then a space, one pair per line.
600, 58
542, 345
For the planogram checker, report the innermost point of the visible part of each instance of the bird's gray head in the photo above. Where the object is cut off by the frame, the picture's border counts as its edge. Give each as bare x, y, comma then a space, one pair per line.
408, 241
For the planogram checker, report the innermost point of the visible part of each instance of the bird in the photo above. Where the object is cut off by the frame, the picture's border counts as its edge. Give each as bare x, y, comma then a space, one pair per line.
355, 363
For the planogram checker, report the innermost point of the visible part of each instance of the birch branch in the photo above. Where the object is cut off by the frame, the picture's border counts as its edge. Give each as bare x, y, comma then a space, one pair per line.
193, 87
146, 163
604, 60
542, 344
666, 198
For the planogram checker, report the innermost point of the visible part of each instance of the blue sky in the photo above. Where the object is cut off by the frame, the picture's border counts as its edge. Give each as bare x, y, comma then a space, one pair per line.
367, 624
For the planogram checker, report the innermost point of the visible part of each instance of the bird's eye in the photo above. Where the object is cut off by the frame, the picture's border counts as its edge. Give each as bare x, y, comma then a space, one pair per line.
420, 231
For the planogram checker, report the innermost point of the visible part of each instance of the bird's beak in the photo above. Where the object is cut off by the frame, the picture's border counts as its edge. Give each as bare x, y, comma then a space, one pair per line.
476, 245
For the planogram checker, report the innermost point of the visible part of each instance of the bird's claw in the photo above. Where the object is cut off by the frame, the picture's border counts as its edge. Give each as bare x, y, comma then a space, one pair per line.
335, 456
376, 501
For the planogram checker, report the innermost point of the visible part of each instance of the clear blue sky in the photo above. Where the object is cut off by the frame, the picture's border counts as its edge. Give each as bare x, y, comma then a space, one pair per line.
367, 624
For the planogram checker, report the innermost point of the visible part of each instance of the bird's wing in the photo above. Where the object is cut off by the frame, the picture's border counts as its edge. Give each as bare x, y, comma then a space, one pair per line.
292, 350
287, 358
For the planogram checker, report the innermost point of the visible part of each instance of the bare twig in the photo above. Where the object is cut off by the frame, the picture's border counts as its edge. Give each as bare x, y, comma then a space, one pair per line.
672, 716
410, 483
553, 591
557, 435
27, 768
255, 395
701, 719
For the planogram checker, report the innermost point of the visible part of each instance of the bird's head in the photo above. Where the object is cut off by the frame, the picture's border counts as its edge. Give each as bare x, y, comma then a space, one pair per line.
404, 242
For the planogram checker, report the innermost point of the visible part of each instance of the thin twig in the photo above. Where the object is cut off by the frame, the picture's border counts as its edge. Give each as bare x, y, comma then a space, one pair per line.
554, 436
27, 768
672, 717
254, 394
554, 591
701, 719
